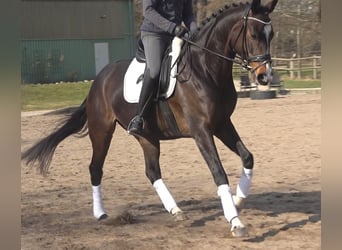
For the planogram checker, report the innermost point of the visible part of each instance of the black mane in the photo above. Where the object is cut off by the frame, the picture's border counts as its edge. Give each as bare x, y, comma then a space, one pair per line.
207, 23
219, 12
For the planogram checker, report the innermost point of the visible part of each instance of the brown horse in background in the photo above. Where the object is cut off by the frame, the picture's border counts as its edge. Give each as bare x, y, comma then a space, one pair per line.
201, 106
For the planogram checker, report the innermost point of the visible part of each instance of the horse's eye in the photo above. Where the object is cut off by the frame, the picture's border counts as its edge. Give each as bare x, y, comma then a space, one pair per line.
253, 35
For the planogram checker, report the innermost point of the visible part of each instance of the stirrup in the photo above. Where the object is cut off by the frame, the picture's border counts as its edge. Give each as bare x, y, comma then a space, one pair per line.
136, 125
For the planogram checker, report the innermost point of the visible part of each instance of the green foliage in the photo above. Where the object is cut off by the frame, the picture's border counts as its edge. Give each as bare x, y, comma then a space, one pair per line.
53, 96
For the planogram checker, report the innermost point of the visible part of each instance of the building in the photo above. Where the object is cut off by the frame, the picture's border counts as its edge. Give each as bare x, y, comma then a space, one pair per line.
72, 40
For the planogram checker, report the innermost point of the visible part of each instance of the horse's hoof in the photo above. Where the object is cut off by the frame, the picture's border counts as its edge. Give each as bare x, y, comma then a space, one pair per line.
239, 232
179, 216
102, 217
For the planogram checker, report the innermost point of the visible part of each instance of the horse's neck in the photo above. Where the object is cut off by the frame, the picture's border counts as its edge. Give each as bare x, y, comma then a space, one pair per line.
222, 29
214, 37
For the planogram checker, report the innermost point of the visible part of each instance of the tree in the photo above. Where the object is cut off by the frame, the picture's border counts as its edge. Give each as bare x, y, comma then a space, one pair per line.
297, 26
200, 9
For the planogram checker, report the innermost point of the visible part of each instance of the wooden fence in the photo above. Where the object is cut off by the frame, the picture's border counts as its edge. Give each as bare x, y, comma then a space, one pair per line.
305, 67
294, 68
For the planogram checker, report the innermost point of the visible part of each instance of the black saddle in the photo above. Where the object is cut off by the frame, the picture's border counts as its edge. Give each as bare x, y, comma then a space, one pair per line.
140, 53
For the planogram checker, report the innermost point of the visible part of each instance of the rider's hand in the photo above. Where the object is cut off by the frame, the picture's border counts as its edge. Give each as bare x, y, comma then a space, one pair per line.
180, 31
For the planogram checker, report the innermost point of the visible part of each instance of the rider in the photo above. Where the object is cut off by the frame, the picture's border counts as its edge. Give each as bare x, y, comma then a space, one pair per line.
162, 22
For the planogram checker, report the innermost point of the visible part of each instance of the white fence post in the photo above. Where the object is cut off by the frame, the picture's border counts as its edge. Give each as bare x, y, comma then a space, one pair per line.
314, 66
291, 69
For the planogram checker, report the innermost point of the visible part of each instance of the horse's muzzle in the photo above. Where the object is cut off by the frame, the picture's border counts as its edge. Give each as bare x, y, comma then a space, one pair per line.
264, 74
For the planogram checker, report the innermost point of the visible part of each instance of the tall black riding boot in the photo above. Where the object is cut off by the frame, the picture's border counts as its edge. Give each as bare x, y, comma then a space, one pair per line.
136, 125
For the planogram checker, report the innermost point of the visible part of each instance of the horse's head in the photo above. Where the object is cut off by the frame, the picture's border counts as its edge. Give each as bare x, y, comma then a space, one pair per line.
251, 39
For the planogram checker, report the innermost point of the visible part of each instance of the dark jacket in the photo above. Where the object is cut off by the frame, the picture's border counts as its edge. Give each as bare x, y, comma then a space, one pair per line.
162, 16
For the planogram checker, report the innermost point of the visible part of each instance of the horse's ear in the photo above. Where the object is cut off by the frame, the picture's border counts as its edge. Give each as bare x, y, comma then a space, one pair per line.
255, 6
271, 5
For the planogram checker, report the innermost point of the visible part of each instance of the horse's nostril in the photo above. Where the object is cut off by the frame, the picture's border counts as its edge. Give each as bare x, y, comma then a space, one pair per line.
262, 79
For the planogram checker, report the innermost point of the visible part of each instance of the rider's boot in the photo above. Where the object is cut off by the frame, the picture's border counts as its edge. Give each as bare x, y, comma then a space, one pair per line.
136, 125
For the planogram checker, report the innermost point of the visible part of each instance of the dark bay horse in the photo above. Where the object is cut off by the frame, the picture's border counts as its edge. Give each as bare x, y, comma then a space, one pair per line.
202, 103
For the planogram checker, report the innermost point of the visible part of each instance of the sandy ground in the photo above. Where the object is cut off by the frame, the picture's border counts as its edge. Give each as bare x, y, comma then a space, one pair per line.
282, 211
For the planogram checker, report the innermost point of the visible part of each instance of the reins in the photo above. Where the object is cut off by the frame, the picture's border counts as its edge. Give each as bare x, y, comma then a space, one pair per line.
212, 52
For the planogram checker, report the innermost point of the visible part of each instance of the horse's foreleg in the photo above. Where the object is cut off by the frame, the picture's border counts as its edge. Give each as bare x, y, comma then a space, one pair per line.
229, 136
151, 154
206, 145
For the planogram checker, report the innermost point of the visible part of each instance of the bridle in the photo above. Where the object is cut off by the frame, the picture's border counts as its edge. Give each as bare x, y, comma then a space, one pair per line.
261, 59
244, 60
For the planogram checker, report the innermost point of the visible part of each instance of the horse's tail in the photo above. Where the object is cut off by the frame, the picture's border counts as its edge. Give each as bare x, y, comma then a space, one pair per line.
44, 149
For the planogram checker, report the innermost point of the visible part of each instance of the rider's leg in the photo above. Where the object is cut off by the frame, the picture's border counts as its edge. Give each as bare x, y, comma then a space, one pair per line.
155, 46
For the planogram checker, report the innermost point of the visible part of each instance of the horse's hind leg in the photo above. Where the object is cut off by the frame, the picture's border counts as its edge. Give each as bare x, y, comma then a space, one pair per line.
151, 151
100, 136
229, 136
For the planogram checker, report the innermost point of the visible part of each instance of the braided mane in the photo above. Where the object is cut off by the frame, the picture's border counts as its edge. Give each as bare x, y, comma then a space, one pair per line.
218, 13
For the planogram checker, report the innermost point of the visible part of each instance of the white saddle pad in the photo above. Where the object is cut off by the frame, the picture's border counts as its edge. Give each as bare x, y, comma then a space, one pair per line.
133, 79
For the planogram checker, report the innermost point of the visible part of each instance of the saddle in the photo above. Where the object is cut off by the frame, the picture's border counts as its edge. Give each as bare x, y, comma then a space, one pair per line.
140, 53
167, 79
